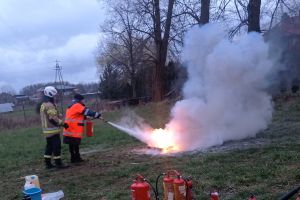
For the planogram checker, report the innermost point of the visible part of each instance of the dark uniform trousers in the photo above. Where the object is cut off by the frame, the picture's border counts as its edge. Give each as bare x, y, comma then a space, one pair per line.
53, 146
73, 148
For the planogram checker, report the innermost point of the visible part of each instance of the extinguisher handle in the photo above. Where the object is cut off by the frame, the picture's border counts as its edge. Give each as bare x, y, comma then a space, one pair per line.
173, 173
139, 177
103, 119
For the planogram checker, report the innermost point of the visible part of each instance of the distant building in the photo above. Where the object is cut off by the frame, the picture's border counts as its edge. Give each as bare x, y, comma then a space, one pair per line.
6, 107
91, 95
284, 39
21, 99
66, 90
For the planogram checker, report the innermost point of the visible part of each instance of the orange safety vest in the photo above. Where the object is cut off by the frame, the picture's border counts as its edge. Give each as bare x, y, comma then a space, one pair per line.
75, 120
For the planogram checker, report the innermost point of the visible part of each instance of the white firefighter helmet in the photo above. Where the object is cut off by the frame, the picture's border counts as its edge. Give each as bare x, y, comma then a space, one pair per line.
50, 91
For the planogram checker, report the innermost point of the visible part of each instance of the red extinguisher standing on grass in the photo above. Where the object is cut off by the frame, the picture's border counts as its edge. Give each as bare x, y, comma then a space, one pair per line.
168, 187
179, 188
176, 187
140, 189
252, 197
214, 195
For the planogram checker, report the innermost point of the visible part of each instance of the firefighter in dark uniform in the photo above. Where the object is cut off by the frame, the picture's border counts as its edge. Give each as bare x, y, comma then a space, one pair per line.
52, 124
75, 118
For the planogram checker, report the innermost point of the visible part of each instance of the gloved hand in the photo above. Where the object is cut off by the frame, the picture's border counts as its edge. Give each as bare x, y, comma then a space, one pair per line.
97, 115
65, 125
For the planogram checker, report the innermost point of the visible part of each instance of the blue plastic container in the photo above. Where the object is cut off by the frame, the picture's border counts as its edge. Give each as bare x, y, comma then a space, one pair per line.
34, 193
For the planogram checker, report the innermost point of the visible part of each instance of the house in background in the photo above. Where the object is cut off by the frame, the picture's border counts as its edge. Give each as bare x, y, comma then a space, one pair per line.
6, 107
284, 40
91, 95
21, 99
66, 90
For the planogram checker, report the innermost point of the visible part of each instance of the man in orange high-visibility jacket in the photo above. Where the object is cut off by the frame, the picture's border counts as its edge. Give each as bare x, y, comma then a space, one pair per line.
75, 118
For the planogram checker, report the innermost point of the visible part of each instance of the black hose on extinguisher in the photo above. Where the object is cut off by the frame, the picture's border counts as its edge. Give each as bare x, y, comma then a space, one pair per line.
290, 194
187, 188
156, 184
188, 191
155, 192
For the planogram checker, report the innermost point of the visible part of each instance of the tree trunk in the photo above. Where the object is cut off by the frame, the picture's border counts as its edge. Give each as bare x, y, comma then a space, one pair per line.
157, 84
204, 17
161, 49
254, 15
133, 86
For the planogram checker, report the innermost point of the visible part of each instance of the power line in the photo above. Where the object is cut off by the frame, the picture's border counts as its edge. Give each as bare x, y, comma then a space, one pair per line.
59, 83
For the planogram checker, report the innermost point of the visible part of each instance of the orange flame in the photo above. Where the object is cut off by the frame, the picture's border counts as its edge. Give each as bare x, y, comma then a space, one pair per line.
163, 139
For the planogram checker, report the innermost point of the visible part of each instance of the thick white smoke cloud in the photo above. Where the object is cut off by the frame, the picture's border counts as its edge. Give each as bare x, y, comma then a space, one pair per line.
224, 96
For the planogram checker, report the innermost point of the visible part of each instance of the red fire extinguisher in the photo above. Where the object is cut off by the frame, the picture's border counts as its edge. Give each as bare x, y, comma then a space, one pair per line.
214, 195
140, 189
89, 130
179, 188
176, 187
168, 187
252, 197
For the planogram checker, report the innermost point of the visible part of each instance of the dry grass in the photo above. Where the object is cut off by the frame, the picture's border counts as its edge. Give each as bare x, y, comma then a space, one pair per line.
267, 169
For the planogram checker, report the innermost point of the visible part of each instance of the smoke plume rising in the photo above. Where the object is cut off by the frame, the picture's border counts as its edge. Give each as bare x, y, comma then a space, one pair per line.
225, 95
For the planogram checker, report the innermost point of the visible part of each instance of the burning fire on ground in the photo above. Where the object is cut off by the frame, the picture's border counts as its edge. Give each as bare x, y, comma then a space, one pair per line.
164, 140
159, 139
224, 98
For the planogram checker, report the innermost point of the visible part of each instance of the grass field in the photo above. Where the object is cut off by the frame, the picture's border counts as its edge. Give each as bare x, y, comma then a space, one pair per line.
268, 165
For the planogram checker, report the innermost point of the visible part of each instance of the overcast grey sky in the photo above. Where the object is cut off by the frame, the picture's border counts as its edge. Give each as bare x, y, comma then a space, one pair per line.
35, 33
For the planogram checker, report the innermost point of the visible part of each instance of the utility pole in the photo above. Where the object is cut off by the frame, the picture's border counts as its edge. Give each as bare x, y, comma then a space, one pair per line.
59, 84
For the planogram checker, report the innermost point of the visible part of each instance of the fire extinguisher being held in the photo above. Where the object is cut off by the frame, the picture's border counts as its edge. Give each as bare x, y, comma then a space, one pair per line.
89, 128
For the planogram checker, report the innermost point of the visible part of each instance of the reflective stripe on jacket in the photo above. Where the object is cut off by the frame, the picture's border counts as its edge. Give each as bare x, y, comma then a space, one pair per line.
75, 120
48, 111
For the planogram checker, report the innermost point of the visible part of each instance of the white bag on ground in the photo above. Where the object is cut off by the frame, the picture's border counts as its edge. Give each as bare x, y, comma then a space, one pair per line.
53, 195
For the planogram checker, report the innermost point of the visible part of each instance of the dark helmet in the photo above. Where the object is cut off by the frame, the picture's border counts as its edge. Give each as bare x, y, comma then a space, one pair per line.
78, 97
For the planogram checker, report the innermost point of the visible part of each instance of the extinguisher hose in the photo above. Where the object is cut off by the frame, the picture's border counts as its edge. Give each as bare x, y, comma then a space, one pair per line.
156, 184
155, 194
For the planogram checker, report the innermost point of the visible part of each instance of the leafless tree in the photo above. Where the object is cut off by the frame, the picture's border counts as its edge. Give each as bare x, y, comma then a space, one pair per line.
126, 46
159, 19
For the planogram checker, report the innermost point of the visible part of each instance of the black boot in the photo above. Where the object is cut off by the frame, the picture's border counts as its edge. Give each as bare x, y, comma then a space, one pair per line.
73, 158
59, 164
78, 158
48, 163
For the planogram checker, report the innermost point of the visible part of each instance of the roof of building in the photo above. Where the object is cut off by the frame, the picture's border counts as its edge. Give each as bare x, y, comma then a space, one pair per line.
21, 96
59, 87
64, 87
91, 93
